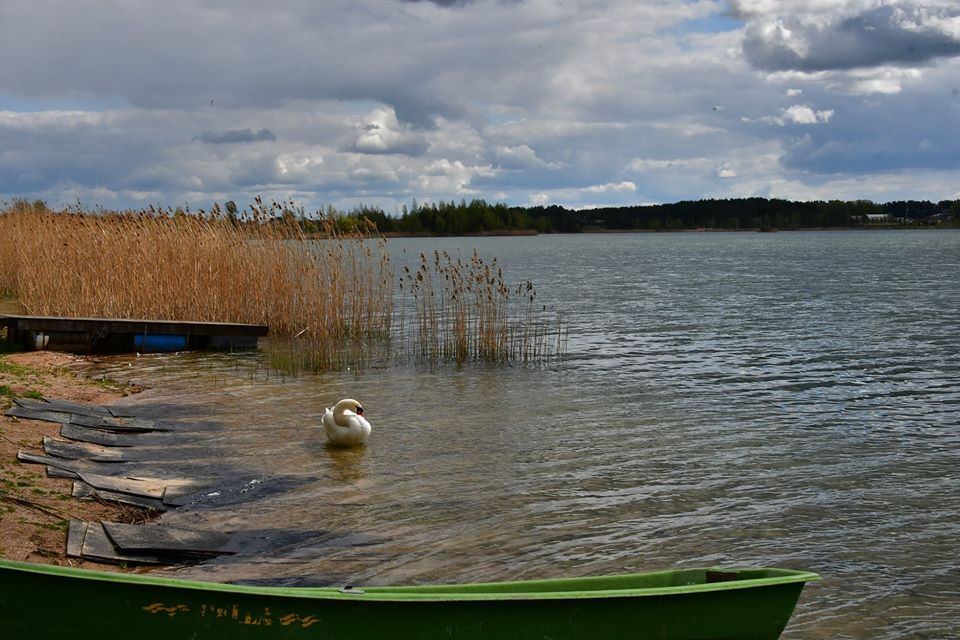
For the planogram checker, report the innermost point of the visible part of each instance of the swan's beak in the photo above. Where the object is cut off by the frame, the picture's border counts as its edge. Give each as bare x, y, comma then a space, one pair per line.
359, 411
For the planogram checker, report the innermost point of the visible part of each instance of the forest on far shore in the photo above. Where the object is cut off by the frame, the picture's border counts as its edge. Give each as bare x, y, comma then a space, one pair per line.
479, 217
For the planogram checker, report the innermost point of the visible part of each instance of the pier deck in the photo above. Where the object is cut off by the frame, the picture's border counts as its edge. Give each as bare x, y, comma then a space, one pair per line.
116, 335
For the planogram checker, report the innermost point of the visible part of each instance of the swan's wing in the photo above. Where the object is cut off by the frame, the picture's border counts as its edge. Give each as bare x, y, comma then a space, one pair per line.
358, 422
328, 421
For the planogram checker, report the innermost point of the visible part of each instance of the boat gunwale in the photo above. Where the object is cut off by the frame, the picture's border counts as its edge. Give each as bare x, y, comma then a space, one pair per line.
438, 593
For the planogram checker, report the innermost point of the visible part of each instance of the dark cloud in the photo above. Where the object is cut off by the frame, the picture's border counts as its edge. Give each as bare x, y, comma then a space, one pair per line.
868, 138
235, 135
411, 147
885, 35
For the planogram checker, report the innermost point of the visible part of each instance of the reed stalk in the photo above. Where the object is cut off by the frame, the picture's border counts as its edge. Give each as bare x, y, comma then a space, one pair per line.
464, 311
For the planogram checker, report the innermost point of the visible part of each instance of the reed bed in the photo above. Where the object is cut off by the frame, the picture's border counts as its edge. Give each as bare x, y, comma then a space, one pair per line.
333, 293
463, 310
328, 298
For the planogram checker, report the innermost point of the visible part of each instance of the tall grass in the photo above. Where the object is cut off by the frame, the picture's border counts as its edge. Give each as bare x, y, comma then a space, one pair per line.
328, 298
463, 310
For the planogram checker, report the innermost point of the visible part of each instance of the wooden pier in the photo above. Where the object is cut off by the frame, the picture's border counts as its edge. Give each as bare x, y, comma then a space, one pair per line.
114, 335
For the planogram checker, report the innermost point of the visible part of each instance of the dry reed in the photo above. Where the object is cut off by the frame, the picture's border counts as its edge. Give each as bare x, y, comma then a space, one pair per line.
171, 265
464, 311
328, 298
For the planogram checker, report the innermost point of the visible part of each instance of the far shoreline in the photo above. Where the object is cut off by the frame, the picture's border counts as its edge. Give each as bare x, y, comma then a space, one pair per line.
506, 233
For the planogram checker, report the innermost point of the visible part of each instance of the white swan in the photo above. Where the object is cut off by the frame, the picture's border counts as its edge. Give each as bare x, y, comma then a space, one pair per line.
345, 424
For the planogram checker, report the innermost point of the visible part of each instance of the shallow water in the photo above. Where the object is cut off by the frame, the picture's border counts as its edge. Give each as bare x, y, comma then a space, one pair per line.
787, 399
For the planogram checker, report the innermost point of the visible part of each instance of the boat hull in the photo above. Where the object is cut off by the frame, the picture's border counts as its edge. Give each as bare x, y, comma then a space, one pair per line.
42, 601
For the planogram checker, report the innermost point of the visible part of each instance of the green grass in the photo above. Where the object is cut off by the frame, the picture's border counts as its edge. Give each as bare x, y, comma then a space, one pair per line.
17, 370
59, 525
8, 395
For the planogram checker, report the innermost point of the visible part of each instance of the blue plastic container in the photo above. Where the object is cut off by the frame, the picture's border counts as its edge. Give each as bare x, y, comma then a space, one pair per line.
153, 343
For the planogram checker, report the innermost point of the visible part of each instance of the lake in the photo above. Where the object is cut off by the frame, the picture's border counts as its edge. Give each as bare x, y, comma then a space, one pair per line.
765, 399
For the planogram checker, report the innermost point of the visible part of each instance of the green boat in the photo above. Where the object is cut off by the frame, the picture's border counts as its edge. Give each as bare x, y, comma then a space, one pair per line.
694, 604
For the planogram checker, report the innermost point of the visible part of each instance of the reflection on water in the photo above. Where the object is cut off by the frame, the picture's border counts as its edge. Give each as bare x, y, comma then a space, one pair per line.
346, 464
786, 399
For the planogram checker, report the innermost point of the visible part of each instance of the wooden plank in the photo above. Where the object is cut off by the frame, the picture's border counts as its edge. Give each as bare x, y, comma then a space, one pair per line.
83, 490
105, 422
16, 411
98, 546
82, 451
99, 436
161, 541
146, 487
75, 535
131, 326
64, 406
74, 466
53, 472
123, 412
117, 424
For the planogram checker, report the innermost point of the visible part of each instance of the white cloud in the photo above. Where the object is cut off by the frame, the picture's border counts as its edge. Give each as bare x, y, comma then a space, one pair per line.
725, 170
50, 120
450, 178
519, 157
645, 165
856, 82
800, 114
539, 199
381, 132
625, 185
298, 167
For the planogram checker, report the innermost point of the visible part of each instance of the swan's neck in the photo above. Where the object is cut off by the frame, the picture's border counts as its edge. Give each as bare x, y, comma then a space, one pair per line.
340, 411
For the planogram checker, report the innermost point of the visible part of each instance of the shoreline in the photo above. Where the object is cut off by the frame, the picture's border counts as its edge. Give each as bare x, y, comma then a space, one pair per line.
35, 510
601, 231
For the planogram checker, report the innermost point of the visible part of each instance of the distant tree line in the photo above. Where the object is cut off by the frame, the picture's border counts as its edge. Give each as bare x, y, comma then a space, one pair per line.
479, 217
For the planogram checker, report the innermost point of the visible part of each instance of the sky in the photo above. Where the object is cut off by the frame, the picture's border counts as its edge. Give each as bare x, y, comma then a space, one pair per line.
582, 103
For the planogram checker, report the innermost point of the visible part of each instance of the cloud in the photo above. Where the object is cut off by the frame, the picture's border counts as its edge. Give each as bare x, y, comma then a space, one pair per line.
725, 170
382, 133
827, 36
646, 165
519, 157
236, 135
800, 114
454, 178
297, 167
625, 185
